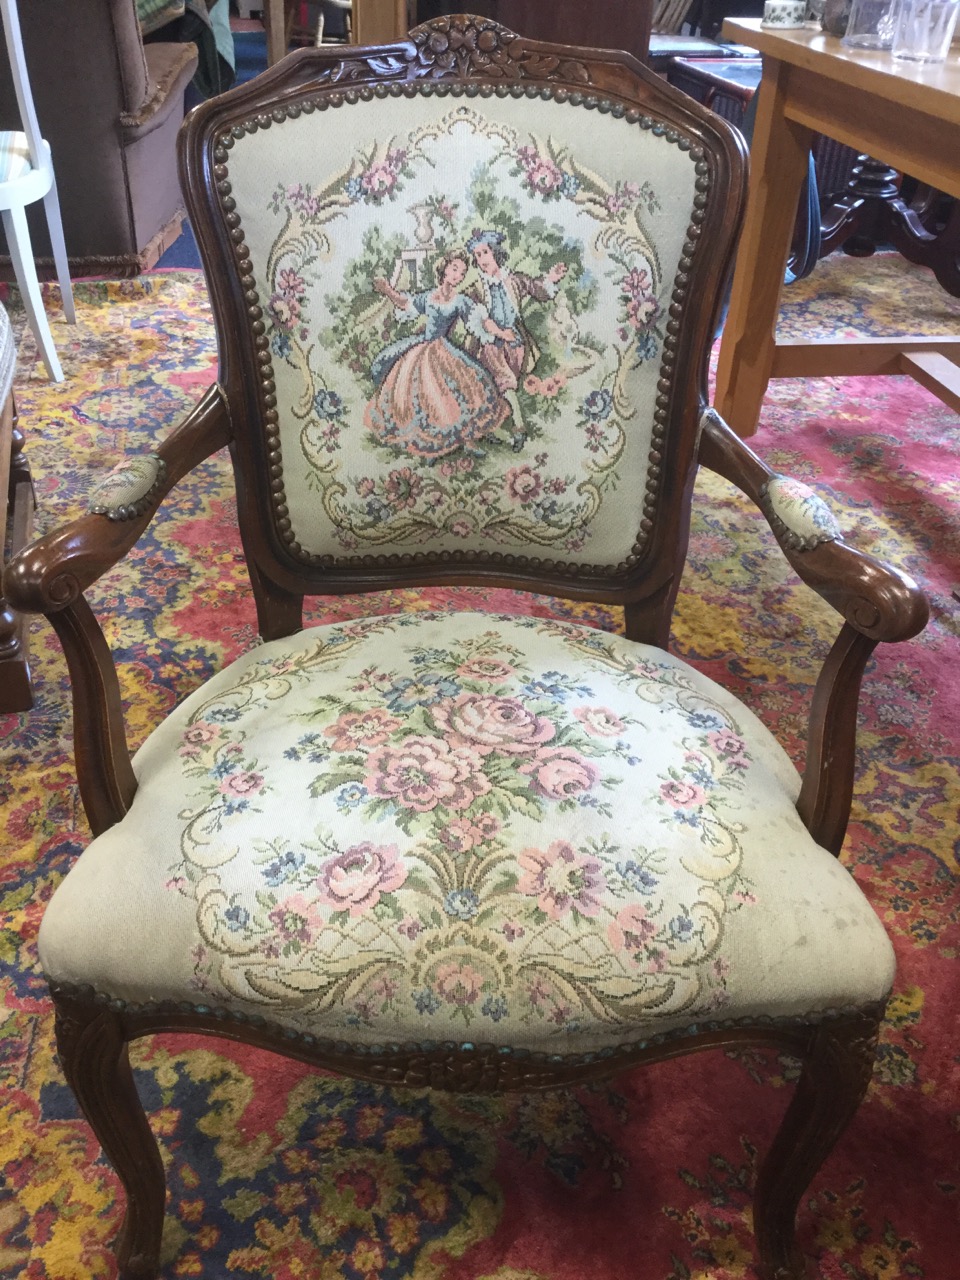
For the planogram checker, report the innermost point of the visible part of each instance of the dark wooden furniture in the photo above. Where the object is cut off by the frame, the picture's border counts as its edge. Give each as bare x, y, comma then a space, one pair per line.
864, 203
606, 24
472, 75
16, 491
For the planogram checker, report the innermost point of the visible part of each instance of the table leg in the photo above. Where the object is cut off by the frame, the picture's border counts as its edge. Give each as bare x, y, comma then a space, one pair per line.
275, 21
778, 165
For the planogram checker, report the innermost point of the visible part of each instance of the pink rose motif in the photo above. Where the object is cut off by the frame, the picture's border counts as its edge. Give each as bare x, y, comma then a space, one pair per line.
641, 311
379, 180
512, 930
403, 487
462, 526
361, 729
523, 484
291, 283
682, 795
241, 783
365, 486
631, 929
544, 177
636, 282
560, 773
462, 836
409, 927
730, 746
490, 670
487, 723
424, 773
295, 919
561, 879
355, 880
459, 983
599, 722
286, 311
532, 384
200, 733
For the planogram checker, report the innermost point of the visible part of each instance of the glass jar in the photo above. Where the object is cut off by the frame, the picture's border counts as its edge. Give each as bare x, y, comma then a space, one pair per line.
871, 24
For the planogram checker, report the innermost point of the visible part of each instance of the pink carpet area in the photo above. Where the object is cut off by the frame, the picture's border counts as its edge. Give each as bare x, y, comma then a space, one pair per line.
279, 1171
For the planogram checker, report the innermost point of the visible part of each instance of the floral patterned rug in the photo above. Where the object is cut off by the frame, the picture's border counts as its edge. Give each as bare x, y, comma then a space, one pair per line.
277, 1170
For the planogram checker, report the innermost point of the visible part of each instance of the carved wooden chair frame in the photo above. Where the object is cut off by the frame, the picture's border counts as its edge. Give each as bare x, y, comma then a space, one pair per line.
874, 601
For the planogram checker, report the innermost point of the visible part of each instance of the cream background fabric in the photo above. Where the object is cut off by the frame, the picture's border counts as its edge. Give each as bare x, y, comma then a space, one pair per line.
653, 874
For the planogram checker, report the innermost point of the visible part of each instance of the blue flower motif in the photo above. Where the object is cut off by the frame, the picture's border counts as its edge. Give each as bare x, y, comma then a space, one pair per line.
224, 715
350, 796
702, 777
426, 1001
406, 694
378, 510
636, 877
570, 185
494, 1007
234, 805
647, 346
704, 720
311, 747
327, 404
430, 657
461, 903
283, 868
236, 918
690, 817
354, 188
281, 344
682, 928
557, 686
598, 404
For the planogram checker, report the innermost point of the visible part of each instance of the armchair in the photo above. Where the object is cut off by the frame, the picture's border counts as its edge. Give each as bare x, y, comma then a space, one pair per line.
110, 109
465, 287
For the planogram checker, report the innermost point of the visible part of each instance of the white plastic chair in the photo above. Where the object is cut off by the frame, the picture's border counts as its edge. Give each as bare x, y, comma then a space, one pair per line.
26, 175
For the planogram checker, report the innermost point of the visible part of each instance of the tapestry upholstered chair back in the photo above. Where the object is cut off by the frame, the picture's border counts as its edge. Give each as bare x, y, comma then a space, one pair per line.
465, 288
465, 271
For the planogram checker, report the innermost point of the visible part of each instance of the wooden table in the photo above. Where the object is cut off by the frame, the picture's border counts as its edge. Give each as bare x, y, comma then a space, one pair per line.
906, 115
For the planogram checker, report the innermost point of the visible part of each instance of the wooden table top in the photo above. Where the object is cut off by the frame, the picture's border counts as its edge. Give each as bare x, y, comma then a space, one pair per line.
934, 89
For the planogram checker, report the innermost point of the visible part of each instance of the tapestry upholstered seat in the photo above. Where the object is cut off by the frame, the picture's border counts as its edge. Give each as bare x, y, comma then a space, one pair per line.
465, 287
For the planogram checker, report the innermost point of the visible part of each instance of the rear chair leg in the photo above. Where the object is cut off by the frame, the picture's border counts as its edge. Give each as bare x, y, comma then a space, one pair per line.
93, 1053
835, 1076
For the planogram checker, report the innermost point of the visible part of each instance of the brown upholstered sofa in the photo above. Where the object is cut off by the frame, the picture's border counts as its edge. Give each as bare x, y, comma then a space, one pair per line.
110, 108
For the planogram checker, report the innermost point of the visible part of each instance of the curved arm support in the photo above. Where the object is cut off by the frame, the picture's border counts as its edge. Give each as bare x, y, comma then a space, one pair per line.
874, 598
827, 788
104, 772
53, 572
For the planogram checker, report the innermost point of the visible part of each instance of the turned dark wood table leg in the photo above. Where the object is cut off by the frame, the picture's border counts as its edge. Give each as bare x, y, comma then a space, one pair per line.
17, 489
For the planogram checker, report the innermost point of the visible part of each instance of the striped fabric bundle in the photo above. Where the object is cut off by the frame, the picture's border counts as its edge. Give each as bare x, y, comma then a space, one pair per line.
14, 155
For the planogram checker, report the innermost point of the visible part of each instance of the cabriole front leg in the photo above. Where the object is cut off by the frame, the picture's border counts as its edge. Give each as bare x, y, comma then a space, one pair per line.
93, 1052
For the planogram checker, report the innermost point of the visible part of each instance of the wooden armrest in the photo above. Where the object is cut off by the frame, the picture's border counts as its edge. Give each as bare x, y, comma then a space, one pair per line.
53, 572
50, 577
873, 597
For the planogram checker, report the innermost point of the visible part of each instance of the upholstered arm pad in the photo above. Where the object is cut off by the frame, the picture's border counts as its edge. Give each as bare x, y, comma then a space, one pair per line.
52, 572
876, 599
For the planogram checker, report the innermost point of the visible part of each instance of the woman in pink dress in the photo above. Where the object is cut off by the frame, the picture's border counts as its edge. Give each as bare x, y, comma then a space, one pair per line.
431, 397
